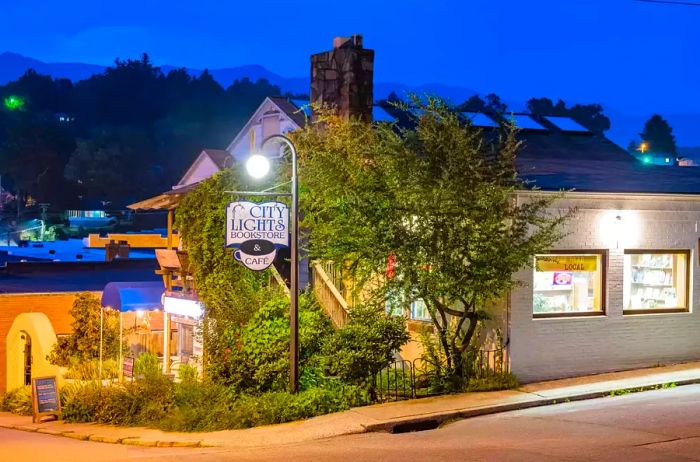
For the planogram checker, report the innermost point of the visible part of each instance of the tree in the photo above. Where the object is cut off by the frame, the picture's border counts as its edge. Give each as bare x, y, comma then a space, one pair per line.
33, 151
658, 133
83, 344
494, 104
117, 167
589, 115
473, 104
436, 199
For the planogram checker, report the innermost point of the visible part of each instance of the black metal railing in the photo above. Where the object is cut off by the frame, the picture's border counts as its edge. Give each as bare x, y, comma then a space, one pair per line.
425, 377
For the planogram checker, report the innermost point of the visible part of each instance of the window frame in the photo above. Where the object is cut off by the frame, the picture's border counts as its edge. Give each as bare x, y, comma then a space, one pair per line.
688, 282
603, 253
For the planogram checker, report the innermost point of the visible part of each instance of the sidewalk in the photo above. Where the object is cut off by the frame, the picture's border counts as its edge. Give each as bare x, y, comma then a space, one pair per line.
393, 417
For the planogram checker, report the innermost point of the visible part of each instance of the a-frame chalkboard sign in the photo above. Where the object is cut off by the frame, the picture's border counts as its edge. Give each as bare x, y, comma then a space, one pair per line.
45, 399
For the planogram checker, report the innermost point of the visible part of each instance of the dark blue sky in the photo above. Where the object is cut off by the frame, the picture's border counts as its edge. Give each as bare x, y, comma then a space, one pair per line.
636, 57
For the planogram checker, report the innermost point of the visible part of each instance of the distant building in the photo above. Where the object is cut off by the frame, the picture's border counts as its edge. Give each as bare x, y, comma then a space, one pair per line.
89, 219
650, 158
35, 300
64, 118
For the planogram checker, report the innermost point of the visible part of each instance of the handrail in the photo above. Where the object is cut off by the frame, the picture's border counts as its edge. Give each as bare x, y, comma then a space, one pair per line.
327, 280
280, 280
329, 296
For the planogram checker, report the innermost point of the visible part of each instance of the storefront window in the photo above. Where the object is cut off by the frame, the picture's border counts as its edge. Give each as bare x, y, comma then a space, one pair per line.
569, 284
655, 281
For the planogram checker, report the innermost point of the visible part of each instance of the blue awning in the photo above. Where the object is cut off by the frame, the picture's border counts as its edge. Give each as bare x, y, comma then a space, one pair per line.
133, 296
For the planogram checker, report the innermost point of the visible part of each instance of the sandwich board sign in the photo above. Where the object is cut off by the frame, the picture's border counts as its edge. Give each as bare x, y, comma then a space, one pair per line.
45, 399
257, 231
128, 367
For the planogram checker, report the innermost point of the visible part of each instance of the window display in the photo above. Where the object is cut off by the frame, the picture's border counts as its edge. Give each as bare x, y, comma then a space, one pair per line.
655, 280
568, 284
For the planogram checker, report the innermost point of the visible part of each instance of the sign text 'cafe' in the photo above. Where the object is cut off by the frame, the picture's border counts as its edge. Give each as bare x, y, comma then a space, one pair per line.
257, 230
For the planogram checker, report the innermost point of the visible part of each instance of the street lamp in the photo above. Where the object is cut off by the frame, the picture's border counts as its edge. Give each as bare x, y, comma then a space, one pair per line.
258, 166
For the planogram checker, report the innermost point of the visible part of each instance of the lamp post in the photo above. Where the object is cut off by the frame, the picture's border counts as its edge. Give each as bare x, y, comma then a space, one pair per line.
258, 166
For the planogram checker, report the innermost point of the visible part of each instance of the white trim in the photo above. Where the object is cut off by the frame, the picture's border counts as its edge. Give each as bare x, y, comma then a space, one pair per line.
253, 120
613, 195
192, 168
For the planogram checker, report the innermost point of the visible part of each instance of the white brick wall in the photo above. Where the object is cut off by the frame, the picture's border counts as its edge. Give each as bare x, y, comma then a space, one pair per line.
550, 348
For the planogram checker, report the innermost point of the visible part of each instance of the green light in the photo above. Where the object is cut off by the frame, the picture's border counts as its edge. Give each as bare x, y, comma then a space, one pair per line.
14, 103
646, 159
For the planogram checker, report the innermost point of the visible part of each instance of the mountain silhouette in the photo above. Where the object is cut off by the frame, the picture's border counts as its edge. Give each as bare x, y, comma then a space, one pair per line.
625, 126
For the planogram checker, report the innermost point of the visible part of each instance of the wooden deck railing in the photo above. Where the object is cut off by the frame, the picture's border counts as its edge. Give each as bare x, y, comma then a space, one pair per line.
279, 280
329, 296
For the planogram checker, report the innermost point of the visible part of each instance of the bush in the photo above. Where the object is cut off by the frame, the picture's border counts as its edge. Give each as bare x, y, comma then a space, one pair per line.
255, 357
143, 402
188, 374
503, 381
279, 407
90, 370
358, 351
18, 401
196, 406
147, 365
80, 402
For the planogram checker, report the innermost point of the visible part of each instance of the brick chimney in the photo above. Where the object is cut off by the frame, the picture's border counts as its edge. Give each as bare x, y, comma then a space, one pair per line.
343, 78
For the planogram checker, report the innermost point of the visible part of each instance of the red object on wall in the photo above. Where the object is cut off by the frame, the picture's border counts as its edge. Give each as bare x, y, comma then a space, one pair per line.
390, 263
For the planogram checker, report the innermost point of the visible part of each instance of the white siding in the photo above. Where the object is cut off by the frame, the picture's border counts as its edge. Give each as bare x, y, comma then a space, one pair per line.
550, 348
201, 169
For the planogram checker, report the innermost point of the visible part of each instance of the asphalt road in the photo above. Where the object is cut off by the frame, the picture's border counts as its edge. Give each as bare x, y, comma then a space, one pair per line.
662, 425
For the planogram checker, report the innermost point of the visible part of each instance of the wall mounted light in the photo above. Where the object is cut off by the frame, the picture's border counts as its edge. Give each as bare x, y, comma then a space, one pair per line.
619, 228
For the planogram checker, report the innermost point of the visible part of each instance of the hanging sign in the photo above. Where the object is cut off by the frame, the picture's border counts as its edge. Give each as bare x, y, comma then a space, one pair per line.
256, 231
566, 263
45, 398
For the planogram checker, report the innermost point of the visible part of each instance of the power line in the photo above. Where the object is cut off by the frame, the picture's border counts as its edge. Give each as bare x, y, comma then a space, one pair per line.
669, 2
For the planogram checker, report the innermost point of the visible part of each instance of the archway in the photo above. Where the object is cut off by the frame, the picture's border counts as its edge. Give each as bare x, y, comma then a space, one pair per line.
29, 340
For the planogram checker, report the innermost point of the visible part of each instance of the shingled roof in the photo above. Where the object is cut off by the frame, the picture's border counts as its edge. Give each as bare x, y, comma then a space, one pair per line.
290, 109
588, 162
221, 158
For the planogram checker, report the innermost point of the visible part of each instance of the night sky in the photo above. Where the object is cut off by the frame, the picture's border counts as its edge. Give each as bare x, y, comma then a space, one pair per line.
633, 56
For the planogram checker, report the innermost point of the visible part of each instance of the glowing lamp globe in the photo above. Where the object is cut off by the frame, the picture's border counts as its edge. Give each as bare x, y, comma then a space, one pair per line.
257, 165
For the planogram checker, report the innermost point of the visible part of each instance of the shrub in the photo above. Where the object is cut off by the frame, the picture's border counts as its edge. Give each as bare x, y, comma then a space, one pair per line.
188, 374
90, 369
256, 356
147, 365
503, 381
358, 351
80, 402
279, 407
18, 401
204, 406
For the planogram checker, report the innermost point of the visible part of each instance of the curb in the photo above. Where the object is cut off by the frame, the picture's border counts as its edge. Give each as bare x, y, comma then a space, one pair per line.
129, 440
433, 421
399, 425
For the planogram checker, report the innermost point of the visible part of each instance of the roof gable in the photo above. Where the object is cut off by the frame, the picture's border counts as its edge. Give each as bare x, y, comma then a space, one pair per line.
208, 162
271, 103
